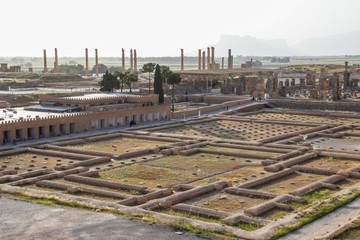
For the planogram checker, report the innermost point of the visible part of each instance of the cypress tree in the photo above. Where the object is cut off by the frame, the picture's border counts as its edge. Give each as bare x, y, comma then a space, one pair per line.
158, 87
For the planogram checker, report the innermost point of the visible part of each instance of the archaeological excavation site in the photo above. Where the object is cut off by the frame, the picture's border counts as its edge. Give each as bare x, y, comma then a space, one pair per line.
221, 152
246, 169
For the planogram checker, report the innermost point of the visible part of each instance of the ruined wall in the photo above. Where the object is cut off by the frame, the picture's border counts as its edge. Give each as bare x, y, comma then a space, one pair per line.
311, 104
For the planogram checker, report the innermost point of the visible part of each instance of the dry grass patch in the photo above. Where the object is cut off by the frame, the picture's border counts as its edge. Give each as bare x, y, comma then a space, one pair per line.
119, 145
240, 175
331, 163
225, 202
290, 183
149, 176
200, 162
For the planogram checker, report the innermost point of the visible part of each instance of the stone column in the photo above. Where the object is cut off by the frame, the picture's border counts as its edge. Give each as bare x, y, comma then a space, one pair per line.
287, 83
222, 63
123, 60
281, 84
247, 86
346, 76
45, 61
182, 59
199, 59
203, 60
212, 58
131, 61
208, 58
261, 88
229, 59
308, 79
207, 84
87, 62
135, 61
324, 89
96, 62
56, 64
302, 83
336, 88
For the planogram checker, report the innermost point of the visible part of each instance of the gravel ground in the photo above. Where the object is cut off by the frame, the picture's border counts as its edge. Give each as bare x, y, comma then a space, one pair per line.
26, 220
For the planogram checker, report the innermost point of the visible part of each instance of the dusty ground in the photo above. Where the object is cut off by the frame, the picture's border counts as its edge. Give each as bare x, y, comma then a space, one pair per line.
31, 162
25, 220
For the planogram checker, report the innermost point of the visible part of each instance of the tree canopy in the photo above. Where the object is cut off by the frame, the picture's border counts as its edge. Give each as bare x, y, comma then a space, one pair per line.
72, 69
102, 68
158, 86
109, 82
173, 78
165, 71
130, 78
122, 78
148, 68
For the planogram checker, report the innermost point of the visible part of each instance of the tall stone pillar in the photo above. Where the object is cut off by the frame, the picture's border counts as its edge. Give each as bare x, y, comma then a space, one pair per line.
182, 59
56, 64
131, 61
45, 61
336, 88
287, 84
212, 58
230, 60
222, 63
96, 62
123, 60
302, 83
208, 58
261, 88
87, 61
203, 60
324, 89
199, 59
346, 76
135, 61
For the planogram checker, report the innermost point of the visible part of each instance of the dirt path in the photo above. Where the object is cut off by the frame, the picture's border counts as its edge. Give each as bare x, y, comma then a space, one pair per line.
25, 220
327, 223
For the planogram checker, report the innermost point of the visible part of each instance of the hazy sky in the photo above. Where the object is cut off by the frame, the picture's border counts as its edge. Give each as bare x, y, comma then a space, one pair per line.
162, 27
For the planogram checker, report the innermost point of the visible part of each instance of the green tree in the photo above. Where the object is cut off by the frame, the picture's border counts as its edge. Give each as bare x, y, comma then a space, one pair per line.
130, 78
173, 78
148, 68
165, 71
102, 68
122, 78
109, 82
257, 63
71, 69
158, 84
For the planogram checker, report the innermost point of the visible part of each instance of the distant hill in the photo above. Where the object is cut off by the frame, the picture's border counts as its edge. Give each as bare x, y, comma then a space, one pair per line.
339, 44
250, 46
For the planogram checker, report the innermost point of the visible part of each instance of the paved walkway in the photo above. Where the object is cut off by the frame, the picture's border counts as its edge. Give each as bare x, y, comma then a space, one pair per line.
26, 220
327, 223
